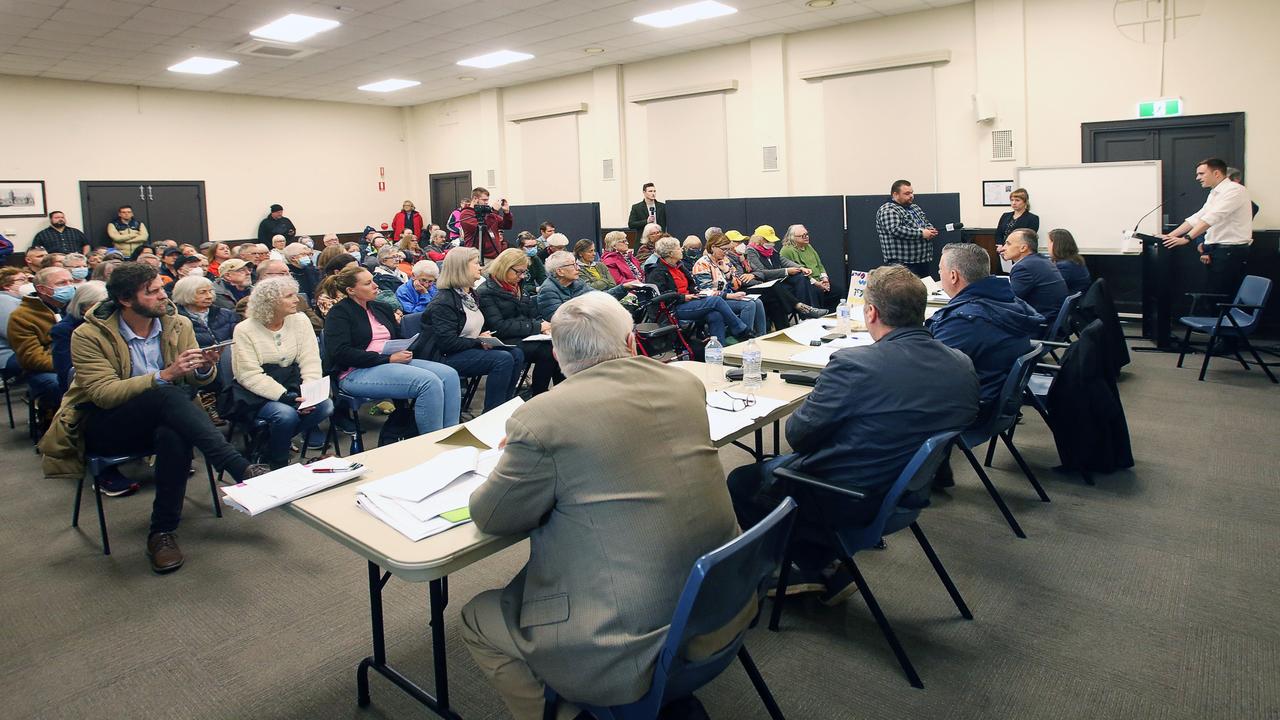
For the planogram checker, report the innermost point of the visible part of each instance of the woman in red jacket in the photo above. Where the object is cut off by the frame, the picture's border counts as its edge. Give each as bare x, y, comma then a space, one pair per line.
409, 218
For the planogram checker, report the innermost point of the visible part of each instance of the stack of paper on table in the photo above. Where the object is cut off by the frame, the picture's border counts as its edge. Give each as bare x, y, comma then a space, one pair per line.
822, 355
726, 422
429, 498
259, 494
809, 330
489, 428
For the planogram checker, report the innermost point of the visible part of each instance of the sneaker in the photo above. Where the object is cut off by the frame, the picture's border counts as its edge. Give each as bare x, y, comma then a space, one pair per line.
799, 582
808, 312
112, 484
839, 587
164, 553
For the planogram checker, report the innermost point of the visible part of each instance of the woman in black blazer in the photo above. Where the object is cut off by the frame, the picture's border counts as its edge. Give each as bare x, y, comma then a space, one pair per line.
355, 331
511, 314
454, 326
1019, 218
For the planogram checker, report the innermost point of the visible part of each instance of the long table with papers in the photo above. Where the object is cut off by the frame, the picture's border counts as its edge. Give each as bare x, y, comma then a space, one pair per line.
793, 349
448, 542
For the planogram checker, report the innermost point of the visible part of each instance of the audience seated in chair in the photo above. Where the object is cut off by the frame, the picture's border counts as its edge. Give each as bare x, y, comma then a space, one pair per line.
419, 290
602, 580
780, 300
691, 250
302, 268
713, 274
670, 277
1066, 257
388, 276
797, 248
644, 244
137, 366
355, 330
1034, 277
279, 269
15, 283
621, 261
872, 408
87, 295
592, 271
528, 243
194, 298
274, 353
453, 327
28, 332
234, 283
512, 315
563, 284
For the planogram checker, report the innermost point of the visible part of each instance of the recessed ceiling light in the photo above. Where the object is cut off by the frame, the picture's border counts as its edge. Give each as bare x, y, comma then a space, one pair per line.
593, 50
202, 66
495, 59
465, 78
294, 28
389, 85
686, 14
820, 4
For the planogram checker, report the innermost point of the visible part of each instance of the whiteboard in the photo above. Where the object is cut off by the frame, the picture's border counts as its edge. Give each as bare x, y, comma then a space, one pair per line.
1097, 202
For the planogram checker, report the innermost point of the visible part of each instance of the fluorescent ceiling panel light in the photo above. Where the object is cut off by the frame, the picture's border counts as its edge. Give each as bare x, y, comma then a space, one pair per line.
495, 59
202, 66
294, 28
686, 14
389, 85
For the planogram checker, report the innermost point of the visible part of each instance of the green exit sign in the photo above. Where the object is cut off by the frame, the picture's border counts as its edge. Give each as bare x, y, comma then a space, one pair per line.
1164, 107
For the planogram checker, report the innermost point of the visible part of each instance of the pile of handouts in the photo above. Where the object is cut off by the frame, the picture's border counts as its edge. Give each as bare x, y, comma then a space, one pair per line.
259, 494
432, 497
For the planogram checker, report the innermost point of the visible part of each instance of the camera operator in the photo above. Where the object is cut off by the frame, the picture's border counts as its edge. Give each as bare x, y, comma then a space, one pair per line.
494, 220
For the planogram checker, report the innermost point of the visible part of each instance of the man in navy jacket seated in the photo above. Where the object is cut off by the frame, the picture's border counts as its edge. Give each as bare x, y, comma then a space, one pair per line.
984, 319
872, 408
1034, 277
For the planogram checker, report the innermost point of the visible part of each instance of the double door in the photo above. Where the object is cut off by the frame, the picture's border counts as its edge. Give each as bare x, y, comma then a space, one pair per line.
171, 210
447, 190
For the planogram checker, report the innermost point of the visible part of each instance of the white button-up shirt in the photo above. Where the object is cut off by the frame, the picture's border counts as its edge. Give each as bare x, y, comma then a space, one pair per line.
1229, 214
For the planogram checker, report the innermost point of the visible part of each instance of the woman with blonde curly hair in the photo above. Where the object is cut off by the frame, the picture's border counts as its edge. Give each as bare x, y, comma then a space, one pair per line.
274, 353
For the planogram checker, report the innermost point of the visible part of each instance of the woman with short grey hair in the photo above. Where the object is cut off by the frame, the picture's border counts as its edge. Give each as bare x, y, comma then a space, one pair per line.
275, 353
193, 295
563, 284
669, 275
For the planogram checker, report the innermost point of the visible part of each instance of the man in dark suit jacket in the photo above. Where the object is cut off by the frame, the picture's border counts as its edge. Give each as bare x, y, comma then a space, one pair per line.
1034, 277
613, 528
648, 210
872, 408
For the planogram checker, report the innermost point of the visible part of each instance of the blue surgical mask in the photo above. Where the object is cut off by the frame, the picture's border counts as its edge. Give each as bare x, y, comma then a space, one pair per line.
531, 251
64, 294
305, 260
80, 273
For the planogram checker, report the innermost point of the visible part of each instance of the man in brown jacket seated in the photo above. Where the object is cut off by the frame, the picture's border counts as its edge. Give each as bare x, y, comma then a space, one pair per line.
614, 529
137, 365
28, 332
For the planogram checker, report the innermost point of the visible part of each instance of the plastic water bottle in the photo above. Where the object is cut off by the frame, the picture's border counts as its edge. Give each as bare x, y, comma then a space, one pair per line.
844, 315
751, 378
713, 356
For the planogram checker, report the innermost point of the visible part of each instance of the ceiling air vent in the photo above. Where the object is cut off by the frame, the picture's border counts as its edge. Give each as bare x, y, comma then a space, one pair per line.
278, 51
606, 169
491, 178
1002, 145
770, 158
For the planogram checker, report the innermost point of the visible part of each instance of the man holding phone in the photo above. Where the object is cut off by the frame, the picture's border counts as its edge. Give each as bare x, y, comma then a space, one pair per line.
137, 365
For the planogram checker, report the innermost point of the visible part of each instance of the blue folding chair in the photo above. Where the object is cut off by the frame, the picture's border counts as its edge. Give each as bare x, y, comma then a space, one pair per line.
722, 585
999, 423
1062, 325
1238, 320
824, 508
411, 324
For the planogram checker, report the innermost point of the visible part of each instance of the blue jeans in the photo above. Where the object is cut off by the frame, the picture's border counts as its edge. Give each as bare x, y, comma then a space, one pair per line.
755, 494
284, 422
751, 312
502, 366
433, 387
44, 385
715, 313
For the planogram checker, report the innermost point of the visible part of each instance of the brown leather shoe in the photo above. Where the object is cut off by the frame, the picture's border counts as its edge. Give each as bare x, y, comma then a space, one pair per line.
162, 549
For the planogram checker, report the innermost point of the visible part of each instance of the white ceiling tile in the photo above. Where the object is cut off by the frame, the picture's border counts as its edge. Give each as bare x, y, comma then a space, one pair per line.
28, 10
104, 7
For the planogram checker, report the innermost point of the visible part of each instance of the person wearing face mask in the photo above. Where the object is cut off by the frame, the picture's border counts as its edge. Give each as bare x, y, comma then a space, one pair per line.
78, 266
621, 261
28, 334
692, 249
537, 274
302, 269
14, 284
418, 291
60, 237
87, 295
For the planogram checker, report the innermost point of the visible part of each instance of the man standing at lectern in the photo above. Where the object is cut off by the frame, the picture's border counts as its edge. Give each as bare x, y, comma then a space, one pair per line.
1226, 224
906, 235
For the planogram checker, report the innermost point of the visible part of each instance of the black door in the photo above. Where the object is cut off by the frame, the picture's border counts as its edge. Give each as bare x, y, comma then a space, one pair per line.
100, 205
447, 190
177, 212
1125, 145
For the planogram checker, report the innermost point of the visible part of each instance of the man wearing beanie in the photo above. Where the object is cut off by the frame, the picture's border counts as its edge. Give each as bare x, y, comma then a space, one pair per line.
276, 224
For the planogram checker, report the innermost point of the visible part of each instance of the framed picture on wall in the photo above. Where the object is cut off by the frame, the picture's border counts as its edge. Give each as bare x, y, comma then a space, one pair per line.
22, 198
995, 193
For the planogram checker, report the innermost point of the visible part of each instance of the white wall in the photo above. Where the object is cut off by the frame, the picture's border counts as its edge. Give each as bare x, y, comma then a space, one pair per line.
319, 160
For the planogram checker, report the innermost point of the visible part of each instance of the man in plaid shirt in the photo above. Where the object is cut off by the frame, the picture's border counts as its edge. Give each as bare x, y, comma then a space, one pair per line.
906, 235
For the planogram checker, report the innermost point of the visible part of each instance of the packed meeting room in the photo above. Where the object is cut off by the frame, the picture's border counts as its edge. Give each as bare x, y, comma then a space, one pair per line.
572, 360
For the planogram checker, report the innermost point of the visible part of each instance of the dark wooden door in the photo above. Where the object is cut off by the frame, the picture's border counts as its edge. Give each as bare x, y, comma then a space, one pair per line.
447, 190
1181, 149
1125, 145
177, 212
100, 204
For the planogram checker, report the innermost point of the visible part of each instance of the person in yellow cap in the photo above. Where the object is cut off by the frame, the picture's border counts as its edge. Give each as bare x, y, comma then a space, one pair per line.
763, 263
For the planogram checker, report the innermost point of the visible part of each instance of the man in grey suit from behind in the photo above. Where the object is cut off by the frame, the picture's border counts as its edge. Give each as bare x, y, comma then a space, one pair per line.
614, 529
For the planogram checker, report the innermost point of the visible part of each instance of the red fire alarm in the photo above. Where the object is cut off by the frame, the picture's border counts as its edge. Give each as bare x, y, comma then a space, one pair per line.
382, 186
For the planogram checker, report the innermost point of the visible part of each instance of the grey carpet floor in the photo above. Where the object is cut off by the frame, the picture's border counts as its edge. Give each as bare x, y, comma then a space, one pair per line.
1153, 595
